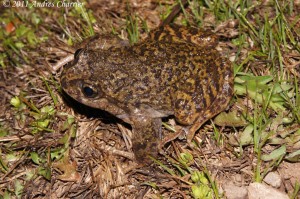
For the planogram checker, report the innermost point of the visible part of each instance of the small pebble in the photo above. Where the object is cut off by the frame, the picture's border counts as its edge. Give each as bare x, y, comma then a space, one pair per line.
234, 192
261, 191
273, 179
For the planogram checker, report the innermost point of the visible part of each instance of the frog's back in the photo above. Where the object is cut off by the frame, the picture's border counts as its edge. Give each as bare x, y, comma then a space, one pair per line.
168, 73
186, 65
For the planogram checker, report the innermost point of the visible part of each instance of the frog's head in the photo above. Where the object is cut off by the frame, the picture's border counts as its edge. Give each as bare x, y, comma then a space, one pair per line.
80, 80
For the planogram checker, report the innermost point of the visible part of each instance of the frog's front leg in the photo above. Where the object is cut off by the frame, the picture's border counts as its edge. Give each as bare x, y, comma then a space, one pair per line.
146, 135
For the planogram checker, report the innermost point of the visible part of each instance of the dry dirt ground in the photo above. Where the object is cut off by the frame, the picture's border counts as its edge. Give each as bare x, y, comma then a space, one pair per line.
85, 153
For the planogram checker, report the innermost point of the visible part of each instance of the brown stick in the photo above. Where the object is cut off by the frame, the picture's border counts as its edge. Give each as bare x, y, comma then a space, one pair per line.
176, 9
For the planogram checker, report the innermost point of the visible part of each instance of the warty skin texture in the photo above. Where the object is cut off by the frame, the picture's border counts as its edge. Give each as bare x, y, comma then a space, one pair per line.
175, 71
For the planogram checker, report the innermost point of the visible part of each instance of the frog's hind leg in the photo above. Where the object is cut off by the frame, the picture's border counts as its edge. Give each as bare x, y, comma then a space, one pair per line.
185, 112
219, 104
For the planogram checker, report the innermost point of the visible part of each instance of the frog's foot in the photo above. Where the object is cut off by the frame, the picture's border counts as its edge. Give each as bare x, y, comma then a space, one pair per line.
169, 138
191, 133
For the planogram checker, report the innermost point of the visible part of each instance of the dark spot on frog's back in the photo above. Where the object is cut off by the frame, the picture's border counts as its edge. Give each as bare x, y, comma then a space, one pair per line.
184, 69
146, 80
157, 72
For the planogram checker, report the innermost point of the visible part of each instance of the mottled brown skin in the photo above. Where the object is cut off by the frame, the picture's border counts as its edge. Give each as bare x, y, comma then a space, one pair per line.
175, 71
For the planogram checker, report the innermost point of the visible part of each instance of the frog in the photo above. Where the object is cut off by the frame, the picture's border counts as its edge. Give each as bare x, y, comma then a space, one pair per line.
176, 71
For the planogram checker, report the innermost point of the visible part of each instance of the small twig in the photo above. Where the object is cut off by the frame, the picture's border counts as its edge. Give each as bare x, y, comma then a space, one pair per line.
16, 138
176, 9
62, 62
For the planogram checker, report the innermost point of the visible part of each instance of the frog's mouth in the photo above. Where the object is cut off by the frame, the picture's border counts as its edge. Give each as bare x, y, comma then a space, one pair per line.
71, 88
90, 95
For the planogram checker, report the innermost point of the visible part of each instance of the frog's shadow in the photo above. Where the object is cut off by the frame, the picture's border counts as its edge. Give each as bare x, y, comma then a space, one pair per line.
90, 112
104, 116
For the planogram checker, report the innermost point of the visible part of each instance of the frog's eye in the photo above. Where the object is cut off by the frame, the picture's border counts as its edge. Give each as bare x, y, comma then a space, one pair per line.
77, 52
89, 91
